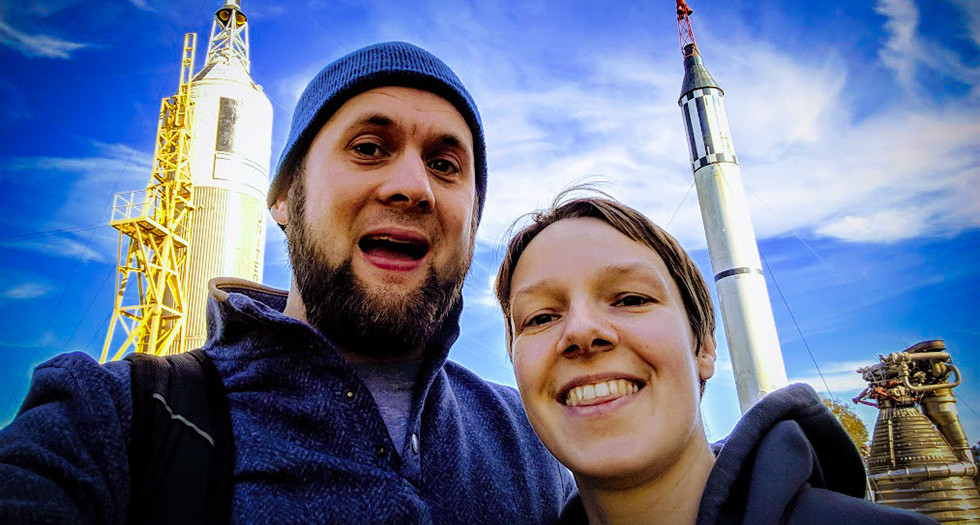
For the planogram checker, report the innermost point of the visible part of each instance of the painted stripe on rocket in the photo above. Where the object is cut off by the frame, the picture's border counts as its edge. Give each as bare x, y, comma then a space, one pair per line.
696, 135
691, 146
703, 127
714, 158
736, 271
704, 111
700, 92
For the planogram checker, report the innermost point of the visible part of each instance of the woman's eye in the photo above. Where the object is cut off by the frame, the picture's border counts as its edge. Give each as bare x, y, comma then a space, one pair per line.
632, 300
443, 166
368, 149
540, 319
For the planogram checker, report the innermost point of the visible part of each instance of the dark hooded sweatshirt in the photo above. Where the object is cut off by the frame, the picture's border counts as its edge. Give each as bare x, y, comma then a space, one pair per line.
788, 461
311, 444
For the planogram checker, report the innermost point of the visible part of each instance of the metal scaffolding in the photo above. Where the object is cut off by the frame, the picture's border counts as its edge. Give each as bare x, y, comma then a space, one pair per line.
154, 223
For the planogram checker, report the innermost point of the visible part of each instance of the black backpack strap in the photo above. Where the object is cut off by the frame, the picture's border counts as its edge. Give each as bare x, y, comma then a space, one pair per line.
182, 454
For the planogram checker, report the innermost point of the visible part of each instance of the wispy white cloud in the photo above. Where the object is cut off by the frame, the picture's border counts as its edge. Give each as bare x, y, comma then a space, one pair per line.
113, 162
37, 44
113, 166
68, 247
902, 50
907, 51
846, 367
841, 377
262, 11
971, 12
90, 182
142, 5
18, 285
25, 291
482, 293
809, 162
841, 384
48, 338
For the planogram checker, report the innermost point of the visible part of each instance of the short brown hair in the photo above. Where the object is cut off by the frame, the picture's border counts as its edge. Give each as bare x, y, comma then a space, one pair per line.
631, 223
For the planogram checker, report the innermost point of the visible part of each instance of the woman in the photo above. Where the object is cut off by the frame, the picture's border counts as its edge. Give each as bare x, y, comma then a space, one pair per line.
609, 326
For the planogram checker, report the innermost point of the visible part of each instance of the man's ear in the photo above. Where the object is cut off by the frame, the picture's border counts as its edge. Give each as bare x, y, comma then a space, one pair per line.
280, 210
706, 358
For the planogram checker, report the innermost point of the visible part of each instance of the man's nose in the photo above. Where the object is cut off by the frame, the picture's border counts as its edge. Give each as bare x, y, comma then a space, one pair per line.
408, 185
586, 331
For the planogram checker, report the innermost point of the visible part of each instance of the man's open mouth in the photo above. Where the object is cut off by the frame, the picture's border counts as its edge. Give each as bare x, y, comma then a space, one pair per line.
393, 247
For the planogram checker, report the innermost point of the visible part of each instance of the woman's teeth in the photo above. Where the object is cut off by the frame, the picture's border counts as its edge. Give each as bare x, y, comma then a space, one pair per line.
606, 391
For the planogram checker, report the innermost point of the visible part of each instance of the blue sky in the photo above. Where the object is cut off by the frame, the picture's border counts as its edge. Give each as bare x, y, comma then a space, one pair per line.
856, 125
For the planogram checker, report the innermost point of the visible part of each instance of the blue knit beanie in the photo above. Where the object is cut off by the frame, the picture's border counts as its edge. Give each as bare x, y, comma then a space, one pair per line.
386, 64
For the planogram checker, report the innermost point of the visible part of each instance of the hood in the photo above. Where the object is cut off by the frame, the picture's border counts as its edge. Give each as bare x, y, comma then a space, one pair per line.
787, 440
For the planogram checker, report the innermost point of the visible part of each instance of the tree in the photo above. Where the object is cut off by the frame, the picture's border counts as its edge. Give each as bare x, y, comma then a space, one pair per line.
851, 422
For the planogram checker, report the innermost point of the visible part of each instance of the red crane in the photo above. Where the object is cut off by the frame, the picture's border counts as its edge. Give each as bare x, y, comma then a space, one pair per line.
688, 47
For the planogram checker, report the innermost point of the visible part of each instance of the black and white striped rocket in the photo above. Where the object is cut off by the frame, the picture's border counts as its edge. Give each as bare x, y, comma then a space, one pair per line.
747, 315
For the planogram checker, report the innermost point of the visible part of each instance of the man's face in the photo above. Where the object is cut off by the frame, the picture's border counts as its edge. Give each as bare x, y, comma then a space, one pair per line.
381, 222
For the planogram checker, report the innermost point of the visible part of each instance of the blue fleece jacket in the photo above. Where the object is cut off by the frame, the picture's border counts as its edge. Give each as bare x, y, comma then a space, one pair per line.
788, 461
311, 445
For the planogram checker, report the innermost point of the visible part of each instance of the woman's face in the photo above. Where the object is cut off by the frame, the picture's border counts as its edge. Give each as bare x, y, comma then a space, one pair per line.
604, 354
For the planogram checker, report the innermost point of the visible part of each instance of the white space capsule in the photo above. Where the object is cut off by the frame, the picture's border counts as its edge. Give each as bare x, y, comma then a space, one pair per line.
747, 315
230, 151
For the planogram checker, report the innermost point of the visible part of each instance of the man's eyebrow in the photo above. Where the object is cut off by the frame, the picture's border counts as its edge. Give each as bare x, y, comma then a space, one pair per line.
452, 141
375, 120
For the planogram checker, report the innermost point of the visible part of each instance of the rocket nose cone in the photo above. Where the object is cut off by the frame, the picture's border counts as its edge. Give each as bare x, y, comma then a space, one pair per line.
696, 76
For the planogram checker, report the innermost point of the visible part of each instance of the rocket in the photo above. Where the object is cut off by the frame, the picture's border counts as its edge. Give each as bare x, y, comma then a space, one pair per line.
747, 315
229, 164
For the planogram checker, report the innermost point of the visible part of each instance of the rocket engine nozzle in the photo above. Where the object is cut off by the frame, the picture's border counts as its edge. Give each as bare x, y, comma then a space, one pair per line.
920, 456
228, 14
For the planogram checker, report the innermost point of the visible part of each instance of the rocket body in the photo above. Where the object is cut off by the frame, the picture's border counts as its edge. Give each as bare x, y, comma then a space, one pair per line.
230, 151
747, 315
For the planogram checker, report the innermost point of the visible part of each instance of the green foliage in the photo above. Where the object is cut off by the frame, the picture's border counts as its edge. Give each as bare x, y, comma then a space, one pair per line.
851, 422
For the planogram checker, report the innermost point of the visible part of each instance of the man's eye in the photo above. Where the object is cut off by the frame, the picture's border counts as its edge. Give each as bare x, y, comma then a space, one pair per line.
632, 300
368, 149
443, 166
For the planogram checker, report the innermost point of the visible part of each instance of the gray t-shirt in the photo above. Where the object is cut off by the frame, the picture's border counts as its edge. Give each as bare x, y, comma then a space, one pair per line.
392, 385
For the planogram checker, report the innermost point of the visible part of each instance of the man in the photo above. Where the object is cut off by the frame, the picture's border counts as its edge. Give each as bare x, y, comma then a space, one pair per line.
344, 407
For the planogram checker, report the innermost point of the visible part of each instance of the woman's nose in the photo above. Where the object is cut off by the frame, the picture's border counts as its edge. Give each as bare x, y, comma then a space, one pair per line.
586, 332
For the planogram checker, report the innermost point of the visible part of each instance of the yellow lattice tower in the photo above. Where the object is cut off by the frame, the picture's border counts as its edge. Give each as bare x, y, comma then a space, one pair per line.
155, 224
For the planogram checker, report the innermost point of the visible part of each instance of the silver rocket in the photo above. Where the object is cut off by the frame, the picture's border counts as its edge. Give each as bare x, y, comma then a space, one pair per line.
747, 315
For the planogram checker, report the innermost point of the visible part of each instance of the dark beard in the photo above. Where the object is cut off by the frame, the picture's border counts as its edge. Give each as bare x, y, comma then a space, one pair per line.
343, 309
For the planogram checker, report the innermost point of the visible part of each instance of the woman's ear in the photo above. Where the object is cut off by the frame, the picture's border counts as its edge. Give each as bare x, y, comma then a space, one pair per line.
706, 358
280, 210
